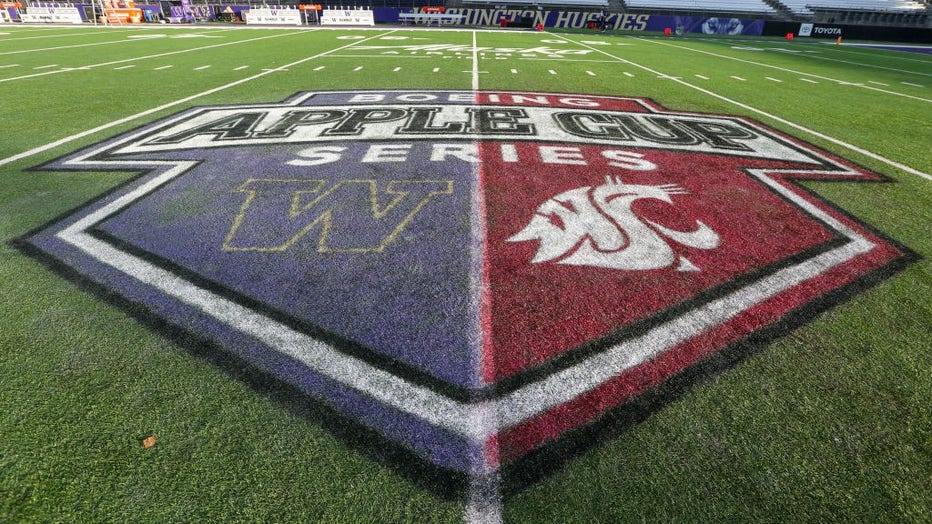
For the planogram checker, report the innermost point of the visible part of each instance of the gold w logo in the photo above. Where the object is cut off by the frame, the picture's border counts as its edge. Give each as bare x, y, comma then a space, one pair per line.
352, 216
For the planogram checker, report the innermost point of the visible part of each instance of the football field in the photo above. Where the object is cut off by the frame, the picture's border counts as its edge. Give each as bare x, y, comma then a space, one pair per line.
407, 275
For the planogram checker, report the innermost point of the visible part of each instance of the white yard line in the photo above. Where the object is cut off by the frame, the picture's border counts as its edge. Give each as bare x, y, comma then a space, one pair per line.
484, 494
475, 64
146, 57
771, 66
52, 145
776, 118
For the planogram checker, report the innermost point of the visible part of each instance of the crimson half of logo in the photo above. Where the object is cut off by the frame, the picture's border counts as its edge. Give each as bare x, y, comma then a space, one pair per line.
474, 276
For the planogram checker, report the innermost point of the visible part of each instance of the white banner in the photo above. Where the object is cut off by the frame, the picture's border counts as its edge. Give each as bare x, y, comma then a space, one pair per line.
52, 15
267, 16
347, 17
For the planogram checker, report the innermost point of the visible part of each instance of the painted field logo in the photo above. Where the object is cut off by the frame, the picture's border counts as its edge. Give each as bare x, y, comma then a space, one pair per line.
480, 278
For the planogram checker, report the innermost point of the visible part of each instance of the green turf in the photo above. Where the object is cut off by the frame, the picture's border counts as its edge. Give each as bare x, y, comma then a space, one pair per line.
829, 423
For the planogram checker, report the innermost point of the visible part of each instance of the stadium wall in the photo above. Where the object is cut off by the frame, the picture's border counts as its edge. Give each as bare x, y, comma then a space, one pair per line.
920, 35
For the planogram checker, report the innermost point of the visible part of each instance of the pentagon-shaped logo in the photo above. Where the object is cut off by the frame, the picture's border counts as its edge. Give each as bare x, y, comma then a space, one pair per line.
475, 276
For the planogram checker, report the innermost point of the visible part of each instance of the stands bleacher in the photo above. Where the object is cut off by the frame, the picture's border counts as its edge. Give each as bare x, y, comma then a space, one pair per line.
809, 6
730, 6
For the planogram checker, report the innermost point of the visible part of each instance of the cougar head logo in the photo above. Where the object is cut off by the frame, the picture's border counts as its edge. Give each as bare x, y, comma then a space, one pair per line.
596, 227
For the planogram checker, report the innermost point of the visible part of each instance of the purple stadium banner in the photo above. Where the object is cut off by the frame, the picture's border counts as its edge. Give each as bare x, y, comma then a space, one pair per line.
582, 19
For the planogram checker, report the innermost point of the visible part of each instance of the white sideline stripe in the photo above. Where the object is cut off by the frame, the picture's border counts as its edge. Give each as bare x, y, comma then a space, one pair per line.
44, 67
72, 138
739, 78
702, 77
771, 66
206, 66
862, 64
75, 46
63, 35
774, 79
794, 125
124, 67
163, 67
807, 80
146, 57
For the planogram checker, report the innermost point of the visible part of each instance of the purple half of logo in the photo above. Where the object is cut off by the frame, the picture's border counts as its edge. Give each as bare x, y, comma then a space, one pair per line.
473, 276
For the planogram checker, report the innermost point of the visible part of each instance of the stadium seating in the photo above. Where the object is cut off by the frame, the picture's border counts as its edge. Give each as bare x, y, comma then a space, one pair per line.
807, 6
731, 6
